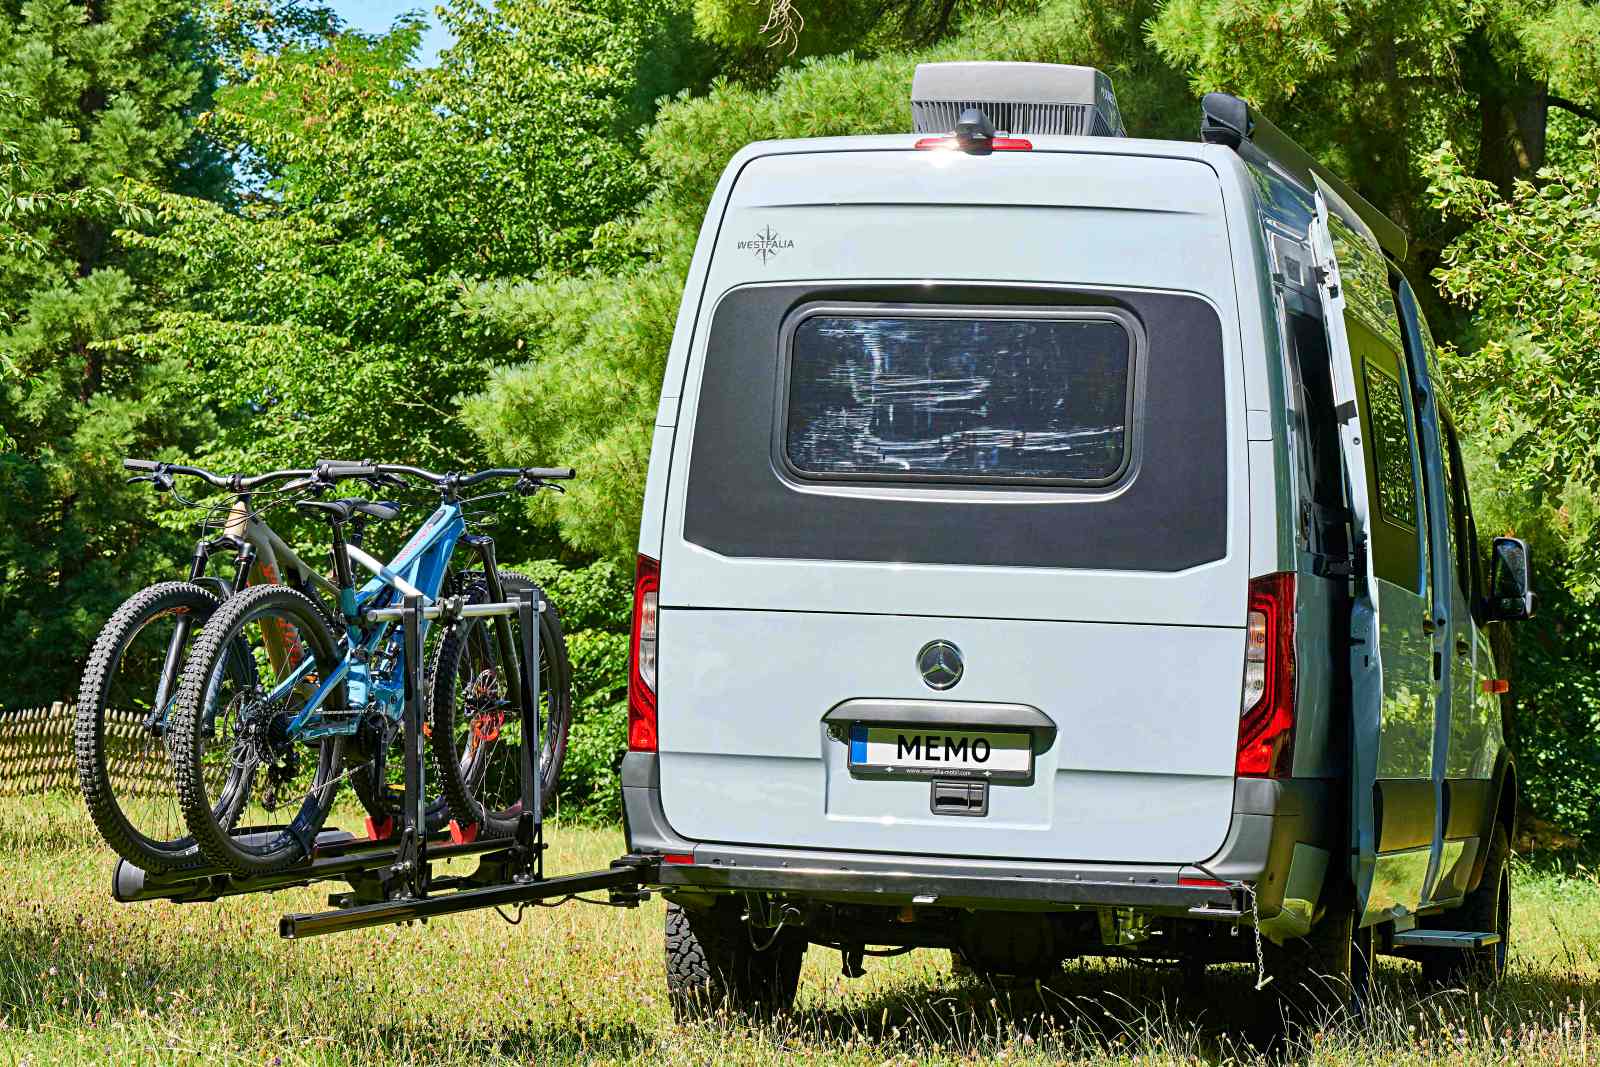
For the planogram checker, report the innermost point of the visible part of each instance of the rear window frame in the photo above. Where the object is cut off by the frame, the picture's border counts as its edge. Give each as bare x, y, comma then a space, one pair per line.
964, 483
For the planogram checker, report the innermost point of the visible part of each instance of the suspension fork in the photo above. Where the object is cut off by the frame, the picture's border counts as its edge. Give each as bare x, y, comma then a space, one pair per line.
483, 544
198, 562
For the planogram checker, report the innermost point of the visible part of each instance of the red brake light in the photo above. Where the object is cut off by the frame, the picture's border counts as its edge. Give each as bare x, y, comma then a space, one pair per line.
1266, 720
642, 657
995, 144
1201, 883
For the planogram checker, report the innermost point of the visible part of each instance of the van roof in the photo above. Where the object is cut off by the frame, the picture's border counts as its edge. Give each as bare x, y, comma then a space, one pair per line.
1122, 146
1297, 168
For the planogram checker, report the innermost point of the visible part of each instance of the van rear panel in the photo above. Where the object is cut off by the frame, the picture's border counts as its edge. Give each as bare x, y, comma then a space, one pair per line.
988, 403
1133, 774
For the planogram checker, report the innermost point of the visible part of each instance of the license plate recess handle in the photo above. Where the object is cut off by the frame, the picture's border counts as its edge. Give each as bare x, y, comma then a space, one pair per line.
850, 718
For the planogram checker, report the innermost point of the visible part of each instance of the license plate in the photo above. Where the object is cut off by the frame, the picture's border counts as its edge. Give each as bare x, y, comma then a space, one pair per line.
934, 752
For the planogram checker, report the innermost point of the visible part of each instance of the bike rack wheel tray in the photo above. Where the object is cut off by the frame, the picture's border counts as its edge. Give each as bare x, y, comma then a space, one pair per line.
391, 880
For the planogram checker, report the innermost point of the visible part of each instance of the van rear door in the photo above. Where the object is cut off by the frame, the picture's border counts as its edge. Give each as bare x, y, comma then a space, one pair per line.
1396, 638
960, 467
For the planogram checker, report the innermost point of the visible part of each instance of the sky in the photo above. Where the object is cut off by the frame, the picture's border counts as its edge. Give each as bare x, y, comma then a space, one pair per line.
376, 16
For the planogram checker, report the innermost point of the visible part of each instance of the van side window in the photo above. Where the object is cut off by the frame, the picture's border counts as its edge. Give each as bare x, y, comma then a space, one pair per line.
1389, 442
952, 395
1397, 489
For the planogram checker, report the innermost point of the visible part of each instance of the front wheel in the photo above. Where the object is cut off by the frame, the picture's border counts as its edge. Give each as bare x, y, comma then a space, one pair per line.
1487, 907
475, 728
123, 725
243, 728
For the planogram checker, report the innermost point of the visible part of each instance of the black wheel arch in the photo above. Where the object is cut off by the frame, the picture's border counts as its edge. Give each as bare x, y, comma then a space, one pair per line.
1503, 811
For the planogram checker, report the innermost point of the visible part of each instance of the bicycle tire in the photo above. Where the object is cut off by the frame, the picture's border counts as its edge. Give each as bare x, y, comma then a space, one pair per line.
113, 748
275, 848
459, 768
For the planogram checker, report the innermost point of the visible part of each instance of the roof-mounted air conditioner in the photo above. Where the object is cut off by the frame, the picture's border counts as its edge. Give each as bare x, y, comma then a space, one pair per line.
1018, 98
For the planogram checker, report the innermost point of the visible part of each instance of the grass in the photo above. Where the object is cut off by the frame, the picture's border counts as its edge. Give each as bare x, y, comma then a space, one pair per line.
84, 980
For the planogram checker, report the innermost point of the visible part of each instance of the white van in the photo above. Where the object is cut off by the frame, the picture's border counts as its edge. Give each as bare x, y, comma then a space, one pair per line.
1055, 544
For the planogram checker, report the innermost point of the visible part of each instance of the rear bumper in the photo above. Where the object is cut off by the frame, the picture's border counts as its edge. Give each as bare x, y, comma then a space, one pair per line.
1278, 843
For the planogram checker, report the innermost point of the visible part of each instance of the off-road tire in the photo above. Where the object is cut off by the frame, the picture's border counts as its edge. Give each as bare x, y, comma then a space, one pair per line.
283, 847
89, 727
1487, 907
713, 965
555, 683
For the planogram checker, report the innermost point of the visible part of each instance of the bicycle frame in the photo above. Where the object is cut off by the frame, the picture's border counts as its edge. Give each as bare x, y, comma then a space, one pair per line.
261, 558
418, 569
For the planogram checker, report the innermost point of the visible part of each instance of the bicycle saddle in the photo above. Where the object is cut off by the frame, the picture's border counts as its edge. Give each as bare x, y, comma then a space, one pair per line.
343, 510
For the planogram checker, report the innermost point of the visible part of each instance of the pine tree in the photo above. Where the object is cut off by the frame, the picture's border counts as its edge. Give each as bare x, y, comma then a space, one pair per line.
92, 95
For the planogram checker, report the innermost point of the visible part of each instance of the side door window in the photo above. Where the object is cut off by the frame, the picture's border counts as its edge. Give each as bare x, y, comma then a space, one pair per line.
1392, 467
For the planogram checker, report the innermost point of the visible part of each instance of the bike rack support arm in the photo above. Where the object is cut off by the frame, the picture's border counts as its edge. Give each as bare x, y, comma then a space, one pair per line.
633, 873
530, 826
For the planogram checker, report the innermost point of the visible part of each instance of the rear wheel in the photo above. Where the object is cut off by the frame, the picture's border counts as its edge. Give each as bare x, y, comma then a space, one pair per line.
1327, 971
121, 735
223, 725
475, 730
1487, 907
715, 961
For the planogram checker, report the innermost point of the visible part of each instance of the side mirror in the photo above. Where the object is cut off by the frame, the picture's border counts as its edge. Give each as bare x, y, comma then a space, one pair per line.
1510, 581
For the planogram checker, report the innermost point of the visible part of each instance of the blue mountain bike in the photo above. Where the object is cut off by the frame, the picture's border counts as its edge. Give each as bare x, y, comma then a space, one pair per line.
322, 696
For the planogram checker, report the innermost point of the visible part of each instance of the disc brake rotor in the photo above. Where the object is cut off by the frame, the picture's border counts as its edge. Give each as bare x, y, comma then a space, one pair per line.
483, 694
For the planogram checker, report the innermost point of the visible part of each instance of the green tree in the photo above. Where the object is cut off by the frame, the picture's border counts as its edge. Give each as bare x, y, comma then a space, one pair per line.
93, 94
759, 38
1374, 86
1529, 268
313, 318
320, 315
595, 346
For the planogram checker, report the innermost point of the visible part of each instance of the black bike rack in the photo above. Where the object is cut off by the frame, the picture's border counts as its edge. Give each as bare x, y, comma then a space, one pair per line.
391, 880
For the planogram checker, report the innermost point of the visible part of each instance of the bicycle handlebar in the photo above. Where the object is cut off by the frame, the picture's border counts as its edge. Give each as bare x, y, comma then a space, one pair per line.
335, 470
326, 471
348, 468
455, 480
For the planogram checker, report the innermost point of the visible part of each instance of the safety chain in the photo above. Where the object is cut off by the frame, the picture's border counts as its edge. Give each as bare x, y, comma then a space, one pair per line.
1263, 979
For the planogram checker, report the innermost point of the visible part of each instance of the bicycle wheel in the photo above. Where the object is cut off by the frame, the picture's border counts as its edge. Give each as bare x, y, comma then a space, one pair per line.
218, 722
476, 730
120, 735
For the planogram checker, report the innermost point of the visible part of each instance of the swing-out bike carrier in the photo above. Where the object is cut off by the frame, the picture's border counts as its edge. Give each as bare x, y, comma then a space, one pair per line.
391, 879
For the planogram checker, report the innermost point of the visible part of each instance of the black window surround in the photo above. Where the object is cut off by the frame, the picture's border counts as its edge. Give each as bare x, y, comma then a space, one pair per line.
1168, 513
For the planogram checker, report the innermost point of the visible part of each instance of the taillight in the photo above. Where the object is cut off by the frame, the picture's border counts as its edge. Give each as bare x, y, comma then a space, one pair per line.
642, 657
1266, 713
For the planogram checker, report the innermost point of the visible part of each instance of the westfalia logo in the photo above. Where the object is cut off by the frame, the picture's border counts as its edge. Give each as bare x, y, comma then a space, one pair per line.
766, 244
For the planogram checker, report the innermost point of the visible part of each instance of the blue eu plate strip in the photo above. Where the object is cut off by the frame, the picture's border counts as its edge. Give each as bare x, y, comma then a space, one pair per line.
858, 743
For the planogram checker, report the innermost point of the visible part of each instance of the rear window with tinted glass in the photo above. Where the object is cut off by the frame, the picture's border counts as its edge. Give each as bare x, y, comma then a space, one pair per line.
960, 396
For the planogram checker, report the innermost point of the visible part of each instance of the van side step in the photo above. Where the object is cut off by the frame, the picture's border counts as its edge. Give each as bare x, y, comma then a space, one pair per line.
1445, 939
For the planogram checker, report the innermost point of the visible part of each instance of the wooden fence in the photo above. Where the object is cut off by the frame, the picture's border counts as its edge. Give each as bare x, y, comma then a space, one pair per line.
36, 753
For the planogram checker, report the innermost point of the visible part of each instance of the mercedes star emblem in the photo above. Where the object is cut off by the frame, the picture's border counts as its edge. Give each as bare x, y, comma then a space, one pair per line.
940, 664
